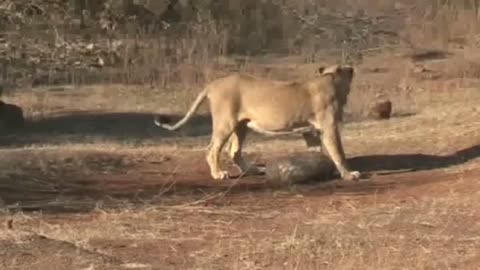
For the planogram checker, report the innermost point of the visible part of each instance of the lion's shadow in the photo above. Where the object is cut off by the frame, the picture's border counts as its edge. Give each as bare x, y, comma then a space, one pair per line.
120, 127
109, 126
412, 162
394, 164
94, 126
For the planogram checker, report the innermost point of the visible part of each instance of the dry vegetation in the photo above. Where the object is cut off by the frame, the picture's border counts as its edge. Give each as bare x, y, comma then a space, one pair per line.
91, 183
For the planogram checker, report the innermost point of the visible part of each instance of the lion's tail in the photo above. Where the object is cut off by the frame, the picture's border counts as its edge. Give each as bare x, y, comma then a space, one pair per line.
200, 99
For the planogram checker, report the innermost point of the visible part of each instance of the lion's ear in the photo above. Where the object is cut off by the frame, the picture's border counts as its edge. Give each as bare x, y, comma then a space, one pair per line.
321, 70
333, 69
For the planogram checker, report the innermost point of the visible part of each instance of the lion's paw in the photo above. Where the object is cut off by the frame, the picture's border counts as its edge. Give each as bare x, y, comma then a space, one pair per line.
352, 176
221, 175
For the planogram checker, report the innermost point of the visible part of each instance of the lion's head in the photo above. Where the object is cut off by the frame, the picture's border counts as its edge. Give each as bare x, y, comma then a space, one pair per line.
342, 77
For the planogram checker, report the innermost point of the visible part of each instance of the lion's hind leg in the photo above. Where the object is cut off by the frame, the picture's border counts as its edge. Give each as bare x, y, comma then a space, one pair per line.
213, 157
223, 126
235, 151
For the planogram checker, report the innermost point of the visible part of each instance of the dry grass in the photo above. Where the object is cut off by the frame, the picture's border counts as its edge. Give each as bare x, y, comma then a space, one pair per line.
420, 234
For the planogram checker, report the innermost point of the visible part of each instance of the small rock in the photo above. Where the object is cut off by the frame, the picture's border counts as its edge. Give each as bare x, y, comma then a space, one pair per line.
9, 224
419, 69
381, 109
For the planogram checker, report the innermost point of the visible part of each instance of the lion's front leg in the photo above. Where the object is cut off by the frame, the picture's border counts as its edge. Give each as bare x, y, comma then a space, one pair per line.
333, 144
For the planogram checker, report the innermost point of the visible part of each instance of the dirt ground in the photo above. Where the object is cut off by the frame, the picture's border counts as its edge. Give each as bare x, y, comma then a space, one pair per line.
146, 209
83, 188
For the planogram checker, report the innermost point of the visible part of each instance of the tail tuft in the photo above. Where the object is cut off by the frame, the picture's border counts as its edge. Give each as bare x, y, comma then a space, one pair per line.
161, 120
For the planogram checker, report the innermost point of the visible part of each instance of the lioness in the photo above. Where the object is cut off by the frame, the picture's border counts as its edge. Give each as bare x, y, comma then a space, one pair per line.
239, 102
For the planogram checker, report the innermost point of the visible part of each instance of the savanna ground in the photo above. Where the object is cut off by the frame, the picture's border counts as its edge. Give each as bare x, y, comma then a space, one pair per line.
91, 183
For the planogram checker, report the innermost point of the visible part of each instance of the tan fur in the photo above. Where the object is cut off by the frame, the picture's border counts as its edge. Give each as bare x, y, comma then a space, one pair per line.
239, 102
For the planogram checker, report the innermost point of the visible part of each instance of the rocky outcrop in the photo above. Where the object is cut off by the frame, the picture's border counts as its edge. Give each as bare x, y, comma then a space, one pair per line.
11, 117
